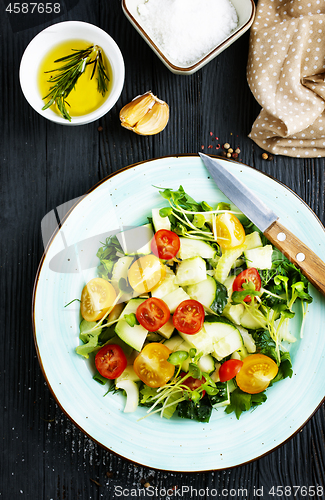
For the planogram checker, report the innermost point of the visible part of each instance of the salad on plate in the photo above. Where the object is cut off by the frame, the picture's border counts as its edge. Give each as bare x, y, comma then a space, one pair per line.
191, 312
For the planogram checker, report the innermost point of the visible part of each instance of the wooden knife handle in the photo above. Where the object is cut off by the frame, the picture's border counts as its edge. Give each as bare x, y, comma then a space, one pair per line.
299, 254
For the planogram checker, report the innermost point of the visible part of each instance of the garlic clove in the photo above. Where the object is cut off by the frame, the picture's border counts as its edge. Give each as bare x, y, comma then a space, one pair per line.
145, 114
154, 121
132, 112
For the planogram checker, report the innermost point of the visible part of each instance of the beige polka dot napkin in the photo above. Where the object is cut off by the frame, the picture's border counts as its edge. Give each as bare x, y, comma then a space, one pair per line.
286, 73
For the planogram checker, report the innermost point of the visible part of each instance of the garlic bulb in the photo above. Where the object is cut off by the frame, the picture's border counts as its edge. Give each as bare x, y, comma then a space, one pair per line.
145, 114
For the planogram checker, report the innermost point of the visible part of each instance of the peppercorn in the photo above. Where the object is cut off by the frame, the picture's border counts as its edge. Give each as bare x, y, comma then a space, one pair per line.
237, 150
265, 156
234, 155
228, 155
270, 158
230, 150
226, 145
223, 153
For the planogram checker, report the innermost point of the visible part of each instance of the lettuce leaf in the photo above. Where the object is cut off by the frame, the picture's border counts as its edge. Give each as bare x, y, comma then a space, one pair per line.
241, 401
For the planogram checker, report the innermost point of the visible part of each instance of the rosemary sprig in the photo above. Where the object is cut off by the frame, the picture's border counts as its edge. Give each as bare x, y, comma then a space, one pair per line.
67, 76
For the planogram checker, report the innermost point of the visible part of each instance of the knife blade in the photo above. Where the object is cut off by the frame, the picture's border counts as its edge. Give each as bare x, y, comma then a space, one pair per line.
267, 221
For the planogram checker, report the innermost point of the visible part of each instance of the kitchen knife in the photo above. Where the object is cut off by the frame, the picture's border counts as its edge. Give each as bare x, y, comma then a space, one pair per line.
267, 221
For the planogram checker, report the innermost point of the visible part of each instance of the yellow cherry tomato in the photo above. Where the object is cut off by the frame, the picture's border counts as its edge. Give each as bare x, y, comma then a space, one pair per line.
145, 273
96, 298
256, 373
230, 231
151, 365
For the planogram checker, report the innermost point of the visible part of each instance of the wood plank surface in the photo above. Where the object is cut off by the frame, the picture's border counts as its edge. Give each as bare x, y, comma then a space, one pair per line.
43, 456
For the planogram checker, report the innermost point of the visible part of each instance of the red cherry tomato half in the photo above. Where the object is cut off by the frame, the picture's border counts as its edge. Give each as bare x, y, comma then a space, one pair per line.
152, 314
229, 369
188, 317
110, 361
193, 383
165, 244
250, 274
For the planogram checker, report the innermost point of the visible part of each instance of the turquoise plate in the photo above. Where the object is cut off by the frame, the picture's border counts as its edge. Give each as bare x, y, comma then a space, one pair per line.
126, 199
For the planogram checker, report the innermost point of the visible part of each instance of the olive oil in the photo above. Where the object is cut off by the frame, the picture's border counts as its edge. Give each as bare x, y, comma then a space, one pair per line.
84, 98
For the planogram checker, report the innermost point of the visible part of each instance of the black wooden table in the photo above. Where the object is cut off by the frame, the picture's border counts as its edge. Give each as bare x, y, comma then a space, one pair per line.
43, 455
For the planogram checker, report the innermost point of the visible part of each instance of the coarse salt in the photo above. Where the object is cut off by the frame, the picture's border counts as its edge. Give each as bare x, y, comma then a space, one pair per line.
187, 30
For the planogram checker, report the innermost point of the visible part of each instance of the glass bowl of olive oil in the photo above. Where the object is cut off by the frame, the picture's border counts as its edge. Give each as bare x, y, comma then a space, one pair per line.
72, 73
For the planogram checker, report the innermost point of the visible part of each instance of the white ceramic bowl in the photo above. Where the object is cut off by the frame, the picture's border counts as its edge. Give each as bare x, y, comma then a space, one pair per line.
54, 35
245, 11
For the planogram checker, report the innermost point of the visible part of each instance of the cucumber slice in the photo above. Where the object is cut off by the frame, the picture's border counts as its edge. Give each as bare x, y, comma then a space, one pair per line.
115, 312
283, 332
204, 292
174, 342
234, 312
167, 286
236, 354
253, 322
227, 345
191, 247
223, 396
191, 271
242, 353
158, 221
249, 342
201, 341
135, 335
212, 294
167, 329
260, 258
206, 363
132, 394
174, 298
226, 261
253, 240
120, 269
128, 374
218, 327
228, 284
137, 240
215, 375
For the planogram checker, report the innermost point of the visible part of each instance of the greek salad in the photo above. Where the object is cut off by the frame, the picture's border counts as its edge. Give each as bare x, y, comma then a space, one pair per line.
191, 312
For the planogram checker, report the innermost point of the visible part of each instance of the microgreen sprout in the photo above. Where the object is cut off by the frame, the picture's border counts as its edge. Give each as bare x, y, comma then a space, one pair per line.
74, 300
274, 318
131, 319
195, 220
99, 323
100, 327
176, 390
284, 279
